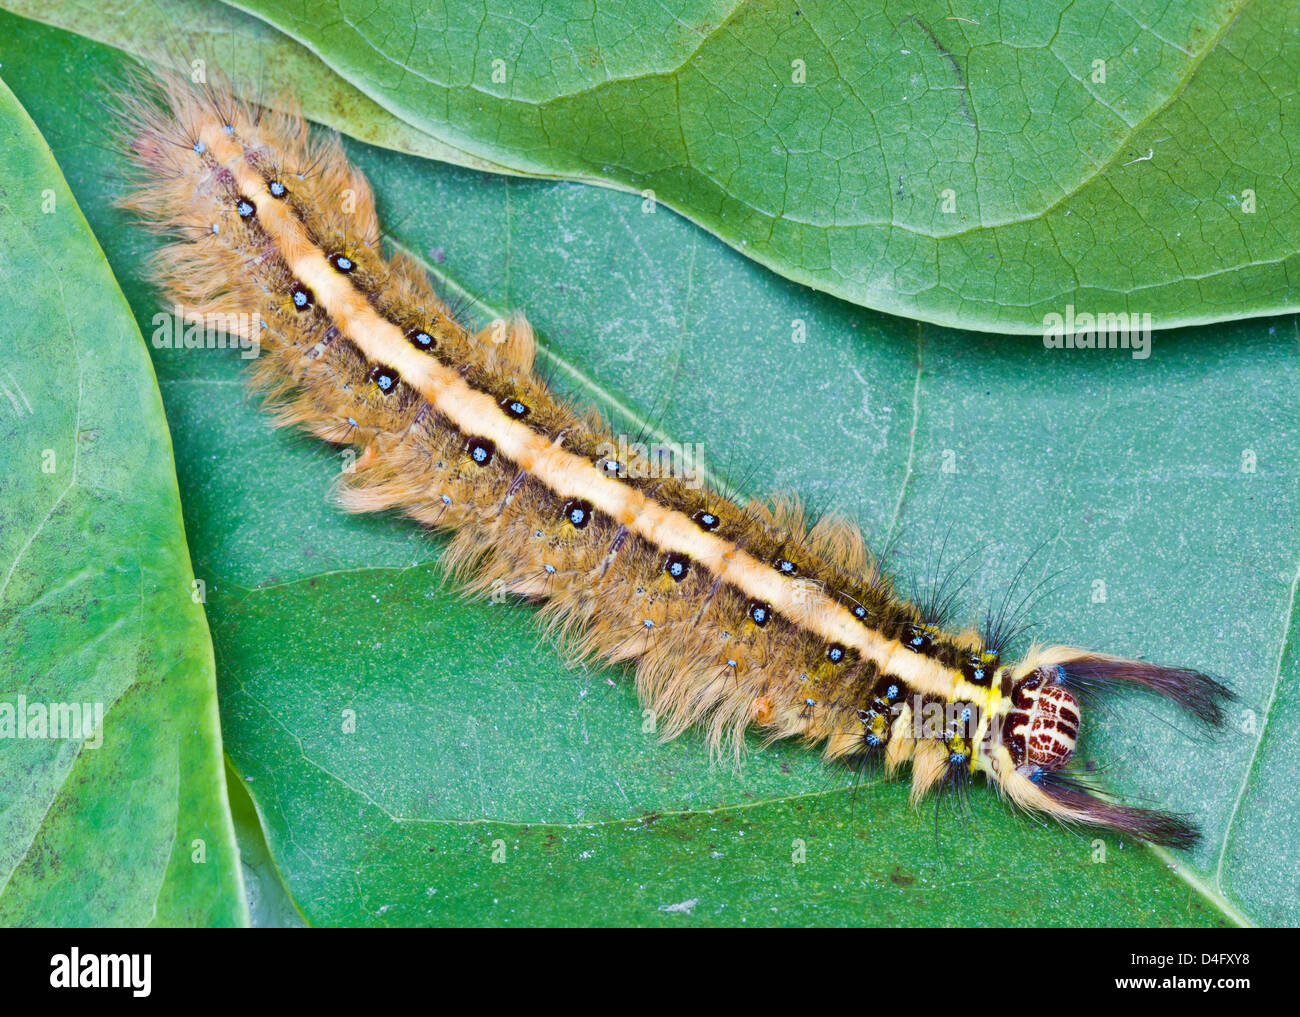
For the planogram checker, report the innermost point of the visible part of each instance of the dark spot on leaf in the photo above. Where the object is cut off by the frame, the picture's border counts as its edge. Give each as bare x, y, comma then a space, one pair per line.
900, 878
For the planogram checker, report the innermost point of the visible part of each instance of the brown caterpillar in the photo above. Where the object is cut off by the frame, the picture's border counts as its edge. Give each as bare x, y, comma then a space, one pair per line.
734, 616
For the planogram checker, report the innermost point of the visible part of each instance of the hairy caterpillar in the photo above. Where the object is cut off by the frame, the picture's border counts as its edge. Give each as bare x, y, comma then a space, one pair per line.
734, 616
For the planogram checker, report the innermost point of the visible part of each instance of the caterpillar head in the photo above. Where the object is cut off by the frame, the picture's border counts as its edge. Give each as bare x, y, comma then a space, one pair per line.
1041, 729
1034, 723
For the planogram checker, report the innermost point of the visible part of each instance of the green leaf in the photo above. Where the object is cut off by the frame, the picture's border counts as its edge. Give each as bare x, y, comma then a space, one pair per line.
269, 903
201, 36
119, 817
471, 730
979, 172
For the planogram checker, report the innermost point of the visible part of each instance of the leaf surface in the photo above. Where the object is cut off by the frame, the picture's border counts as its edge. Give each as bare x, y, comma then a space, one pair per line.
118, 816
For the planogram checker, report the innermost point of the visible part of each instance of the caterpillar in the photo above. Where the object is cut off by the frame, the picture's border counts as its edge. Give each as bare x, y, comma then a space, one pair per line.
734, 616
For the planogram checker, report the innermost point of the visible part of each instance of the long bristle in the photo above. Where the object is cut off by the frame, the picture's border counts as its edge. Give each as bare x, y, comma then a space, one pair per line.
1152, 825
1198, 692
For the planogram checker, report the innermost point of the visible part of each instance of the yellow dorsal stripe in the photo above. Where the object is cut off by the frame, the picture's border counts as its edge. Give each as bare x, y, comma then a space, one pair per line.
566, 474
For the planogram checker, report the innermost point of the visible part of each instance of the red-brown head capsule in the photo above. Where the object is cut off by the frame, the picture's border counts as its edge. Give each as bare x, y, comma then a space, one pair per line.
1043, 727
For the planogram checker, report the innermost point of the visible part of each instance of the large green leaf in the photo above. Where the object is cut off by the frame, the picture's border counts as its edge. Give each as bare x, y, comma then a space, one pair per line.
122, 818
469, 729
977, 169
